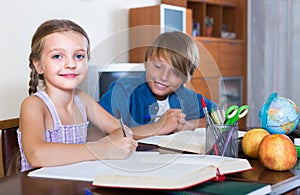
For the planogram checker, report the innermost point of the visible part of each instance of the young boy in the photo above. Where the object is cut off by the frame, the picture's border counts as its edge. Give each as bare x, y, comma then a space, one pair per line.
158, 103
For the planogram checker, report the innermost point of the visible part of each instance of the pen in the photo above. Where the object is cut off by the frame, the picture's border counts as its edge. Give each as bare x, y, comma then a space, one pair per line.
87, 191
215, 147
152, 116
223, 113
229, 136
118, 115
220, 116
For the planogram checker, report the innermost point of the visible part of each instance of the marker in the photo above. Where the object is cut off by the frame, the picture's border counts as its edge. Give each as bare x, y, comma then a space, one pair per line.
208, 119
215, 117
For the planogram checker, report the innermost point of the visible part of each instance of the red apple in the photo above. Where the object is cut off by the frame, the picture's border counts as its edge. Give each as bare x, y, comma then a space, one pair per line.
251, 141
277, 152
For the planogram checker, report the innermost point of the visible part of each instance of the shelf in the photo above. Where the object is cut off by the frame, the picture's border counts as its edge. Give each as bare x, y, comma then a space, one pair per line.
203, 38
227, 16
219, 2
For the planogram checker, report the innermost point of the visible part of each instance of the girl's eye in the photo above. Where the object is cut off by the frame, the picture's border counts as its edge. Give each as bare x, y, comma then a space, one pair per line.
57, 56
79, 56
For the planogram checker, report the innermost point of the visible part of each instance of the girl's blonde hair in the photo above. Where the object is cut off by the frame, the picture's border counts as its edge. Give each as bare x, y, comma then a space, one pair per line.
46, 28
177, 47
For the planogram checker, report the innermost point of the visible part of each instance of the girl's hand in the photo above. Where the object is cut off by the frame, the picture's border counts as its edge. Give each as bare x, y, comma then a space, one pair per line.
113, 146
172, 120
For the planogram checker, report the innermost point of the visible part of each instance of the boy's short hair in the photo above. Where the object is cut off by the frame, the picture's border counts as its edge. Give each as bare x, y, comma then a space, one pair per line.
177, 47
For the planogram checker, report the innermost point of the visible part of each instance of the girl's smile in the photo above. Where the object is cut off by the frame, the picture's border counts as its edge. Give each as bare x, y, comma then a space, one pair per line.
69, 75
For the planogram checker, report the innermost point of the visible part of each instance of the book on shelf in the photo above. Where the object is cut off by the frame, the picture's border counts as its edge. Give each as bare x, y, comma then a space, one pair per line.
227, 188
148, 170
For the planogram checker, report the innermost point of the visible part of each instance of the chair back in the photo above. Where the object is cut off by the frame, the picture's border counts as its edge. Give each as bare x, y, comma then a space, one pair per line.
10, 155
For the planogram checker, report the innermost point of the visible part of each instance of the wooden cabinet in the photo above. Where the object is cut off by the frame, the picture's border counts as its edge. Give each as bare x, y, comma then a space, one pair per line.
227, 44
219, 58
231, 58
146, 24
144, 27
209, 53
181, 3
205, 87
227, 16
222, 55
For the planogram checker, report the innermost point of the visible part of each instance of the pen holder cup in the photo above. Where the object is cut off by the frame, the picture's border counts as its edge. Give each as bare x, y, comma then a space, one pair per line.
222, 140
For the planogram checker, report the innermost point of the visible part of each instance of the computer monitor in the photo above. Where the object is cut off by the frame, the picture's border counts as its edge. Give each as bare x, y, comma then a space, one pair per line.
99, 77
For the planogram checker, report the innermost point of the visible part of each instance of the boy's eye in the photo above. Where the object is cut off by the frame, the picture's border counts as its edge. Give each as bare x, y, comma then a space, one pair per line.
157, 64
177, 73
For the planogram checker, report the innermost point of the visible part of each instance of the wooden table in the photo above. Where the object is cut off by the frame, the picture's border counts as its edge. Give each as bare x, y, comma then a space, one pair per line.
263, 175
22, 184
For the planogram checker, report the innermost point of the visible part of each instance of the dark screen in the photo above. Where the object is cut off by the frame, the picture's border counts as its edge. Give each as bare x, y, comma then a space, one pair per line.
106, 78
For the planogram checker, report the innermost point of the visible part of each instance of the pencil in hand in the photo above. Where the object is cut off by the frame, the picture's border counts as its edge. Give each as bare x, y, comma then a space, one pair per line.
118, 116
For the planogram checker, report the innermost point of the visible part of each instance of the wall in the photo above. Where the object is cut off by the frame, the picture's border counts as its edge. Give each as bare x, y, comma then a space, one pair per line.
106, 22
273, 53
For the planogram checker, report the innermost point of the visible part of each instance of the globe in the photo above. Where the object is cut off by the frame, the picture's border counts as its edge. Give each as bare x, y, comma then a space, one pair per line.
279, 115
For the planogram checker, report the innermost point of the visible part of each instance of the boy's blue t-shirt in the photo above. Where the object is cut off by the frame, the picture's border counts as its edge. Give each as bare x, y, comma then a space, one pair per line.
136, 103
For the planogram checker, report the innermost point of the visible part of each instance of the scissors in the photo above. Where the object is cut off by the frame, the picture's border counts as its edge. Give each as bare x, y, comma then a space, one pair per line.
234, 113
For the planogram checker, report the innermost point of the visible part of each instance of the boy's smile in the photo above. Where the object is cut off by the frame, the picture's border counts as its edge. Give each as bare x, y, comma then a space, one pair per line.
160, 85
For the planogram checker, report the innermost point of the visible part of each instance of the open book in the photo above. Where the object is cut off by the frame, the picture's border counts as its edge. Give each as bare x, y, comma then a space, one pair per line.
189, 141
192, 141
148, 170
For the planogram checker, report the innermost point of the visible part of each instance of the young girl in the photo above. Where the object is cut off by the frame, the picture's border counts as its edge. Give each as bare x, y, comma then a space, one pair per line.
158, 103
53, 121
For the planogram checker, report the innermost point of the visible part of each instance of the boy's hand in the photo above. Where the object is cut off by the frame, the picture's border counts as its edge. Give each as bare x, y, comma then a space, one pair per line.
172, 120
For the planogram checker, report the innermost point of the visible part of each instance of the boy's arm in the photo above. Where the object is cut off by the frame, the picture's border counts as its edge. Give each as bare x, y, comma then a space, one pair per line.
173, 120
143, 131
193, 124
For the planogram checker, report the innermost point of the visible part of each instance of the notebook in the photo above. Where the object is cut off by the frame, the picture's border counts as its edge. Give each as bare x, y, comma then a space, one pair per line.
227, 188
